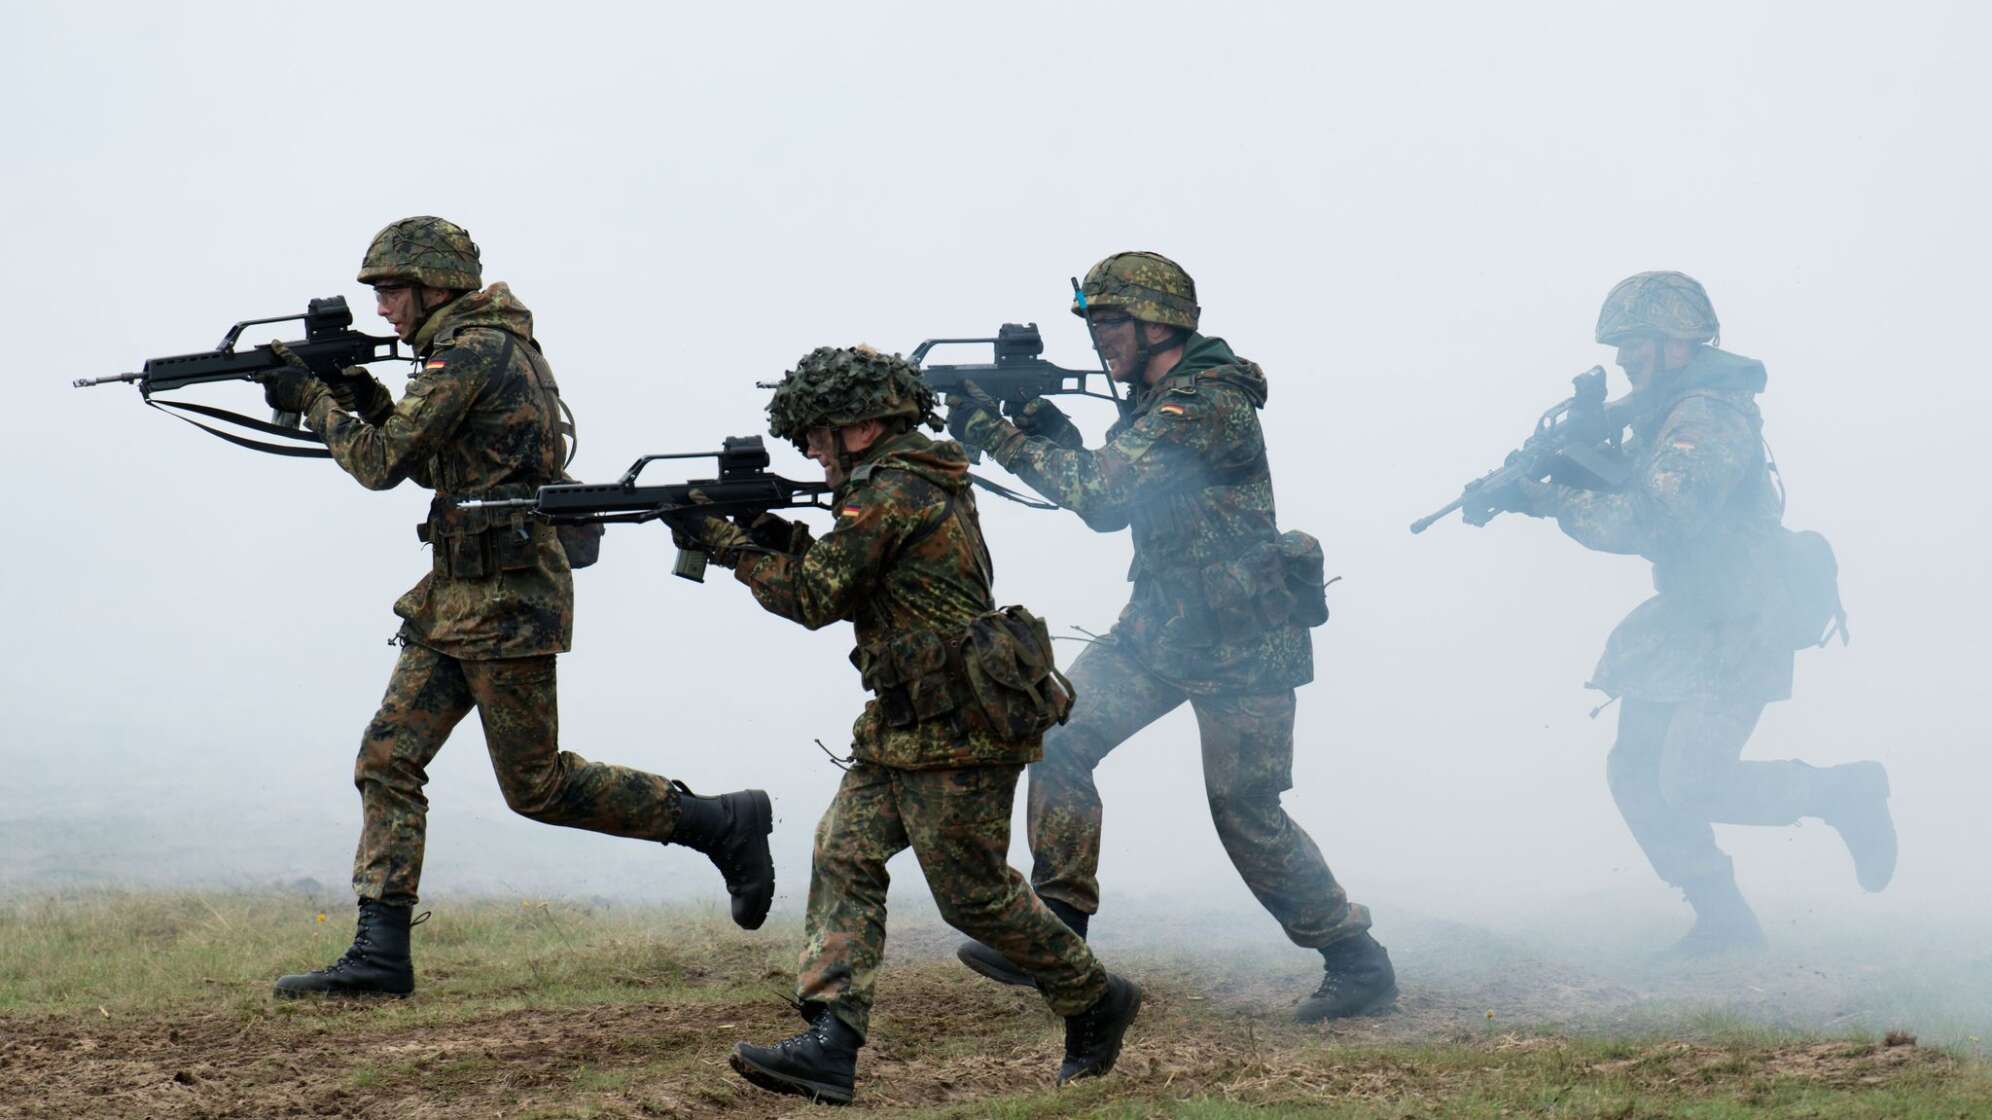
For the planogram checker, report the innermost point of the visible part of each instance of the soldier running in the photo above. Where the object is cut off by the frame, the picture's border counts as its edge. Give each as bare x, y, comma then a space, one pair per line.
961, 695
479, 419
1696, 664
1219, 618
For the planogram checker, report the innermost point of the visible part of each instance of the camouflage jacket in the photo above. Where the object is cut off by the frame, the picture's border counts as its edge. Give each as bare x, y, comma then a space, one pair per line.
1186, 470
1700, 504
478, 419
905, 558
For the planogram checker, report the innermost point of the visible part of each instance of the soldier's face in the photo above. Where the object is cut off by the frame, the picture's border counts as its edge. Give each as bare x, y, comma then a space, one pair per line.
1637, 357
1113, 333
398, 304
821, 446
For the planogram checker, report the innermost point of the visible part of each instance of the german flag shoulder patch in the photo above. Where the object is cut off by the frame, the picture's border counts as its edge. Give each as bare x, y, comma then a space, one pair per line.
1170, 408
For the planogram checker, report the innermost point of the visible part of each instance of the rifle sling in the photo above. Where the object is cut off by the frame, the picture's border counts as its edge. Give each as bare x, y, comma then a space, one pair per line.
175, 408
1003, 491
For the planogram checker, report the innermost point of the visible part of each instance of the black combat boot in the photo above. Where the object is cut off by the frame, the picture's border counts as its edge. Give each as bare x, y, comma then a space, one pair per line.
1856, 805
732, 829
376, 965
1356, 980
988, 962
1093, 1037
821, 1063
1724, 922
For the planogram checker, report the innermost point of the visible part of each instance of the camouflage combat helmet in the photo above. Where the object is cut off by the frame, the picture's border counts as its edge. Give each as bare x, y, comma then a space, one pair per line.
1670, 304
427, 251
1148, 286
836, 386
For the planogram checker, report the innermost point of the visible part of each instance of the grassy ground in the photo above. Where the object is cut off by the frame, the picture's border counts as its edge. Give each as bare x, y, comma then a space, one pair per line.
157, 1005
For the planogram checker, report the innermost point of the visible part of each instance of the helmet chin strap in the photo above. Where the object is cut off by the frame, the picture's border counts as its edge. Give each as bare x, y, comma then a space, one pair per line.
1144, 352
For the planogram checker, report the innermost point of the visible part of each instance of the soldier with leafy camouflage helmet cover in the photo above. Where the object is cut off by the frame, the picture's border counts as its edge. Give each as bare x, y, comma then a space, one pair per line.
1218, 619
480, 631
1694, 666
839, 387
961, 695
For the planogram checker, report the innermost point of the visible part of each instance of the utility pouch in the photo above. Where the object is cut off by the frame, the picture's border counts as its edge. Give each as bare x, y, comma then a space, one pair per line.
1811, 578
909, 675
472, 544
1248, 594
582, 543
1012, 674
1306, 577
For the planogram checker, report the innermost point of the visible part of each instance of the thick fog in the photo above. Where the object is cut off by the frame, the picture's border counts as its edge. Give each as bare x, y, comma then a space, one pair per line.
1408, 214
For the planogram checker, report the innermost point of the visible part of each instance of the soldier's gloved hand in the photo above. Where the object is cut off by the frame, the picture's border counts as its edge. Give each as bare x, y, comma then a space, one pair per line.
976, 419
720, 539
357, 391
777, 534
1520, 497
291, 387
1045, 420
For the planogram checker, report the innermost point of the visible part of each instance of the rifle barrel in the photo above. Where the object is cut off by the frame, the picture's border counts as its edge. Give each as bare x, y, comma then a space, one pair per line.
86, 382
1425, 523
498, 503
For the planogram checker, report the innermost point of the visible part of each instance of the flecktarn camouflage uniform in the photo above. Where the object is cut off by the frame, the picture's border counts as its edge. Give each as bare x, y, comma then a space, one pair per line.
932, 769
480, 631
1695, 665
1219, 617
961, 695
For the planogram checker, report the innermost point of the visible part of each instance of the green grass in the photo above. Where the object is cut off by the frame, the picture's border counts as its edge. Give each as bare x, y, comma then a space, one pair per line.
557, 1009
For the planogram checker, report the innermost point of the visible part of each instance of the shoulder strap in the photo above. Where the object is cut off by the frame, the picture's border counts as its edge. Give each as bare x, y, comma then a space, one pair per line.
175, 408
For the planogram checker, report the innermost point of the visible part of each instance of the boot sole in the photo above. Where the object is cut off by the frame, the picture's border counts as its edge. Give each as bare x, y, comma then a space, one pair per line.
776, 1082
762, 824
967, 955
308, 993
1385, 1003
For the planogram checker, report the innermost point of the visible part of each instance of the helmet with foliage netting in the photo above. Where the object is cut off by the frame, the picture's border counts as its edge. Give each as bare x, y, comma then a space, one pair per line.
427, 251
1669, 304
837, 386
1148, 286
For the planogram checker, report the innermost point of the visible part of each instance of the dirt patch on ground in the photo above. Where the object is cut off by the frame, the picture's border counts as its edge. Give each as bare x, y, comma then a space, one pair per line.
939, 1040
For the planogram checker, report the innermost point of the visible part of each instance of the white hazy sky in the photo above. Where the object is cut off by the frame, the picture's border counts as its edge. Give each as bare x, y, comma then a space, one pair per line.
1407, 213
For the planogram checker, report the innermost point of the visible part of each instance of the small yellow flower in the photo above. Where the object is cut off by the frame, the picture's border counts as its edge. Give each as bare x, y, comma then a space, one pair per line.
1490, 1015
321, 917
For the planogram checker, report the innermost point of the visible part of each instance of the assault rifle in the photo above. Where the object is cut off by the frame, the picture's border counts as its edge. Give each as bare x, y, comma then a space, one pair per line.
1018, 375
1576, 442
744, 488
329, 345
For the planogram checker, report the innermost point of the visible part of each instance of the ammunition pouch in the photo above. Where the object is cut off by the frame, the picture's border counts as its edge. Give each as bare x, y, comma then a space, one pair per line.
997, 674
582, 543
1811, 578
1269, 585
479, 543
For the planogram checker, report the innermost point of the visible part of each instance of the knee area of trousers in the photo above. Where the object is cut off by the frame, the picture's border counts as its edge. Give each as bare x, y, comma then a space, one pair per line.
971, 911
1235, 809
1070, 754
535, 800
1621, 770
1687, 790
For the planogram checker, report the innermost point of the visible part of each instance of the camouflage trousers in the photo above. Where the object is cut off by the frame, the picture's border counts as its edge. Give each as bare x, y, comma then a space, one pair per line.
957, 821
1247, 764
428, 695
1676, 769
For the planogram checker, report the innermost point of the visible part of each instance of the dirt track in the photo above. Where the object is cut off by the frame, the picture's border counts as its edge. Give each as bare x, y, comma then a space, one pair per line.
940, 1040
